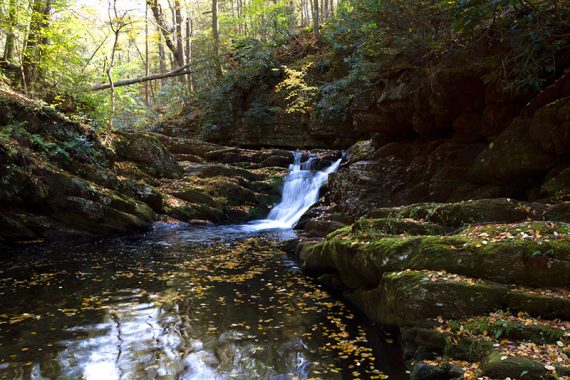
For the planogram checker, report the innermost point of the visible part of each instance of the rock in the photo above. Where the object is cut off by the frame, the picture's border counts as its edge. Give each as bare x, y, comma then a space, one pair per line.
146, 149
499, 210
404, 173
359, 151
423, 371
397, 226
208, 171
498, 367
363, 256
557, 183
14, 231
142, 192
545, 305
550, 127
513, 157
195, 147
189, 158
321, 227
195, 196
468, 127
406, 298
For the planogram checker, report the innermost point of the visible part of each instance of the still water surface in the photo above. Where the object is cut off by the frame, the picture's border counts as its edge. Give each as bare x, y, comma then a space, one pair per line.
178, 303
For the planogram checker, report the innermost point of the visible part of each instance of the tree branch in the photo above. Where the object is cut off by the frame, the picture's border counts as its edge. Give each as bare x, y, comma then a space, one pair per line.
174, 73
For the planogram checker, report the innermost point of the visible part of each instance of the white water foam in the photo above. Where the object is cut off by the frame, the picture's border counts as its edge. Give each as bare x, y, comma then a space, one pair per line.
300, 192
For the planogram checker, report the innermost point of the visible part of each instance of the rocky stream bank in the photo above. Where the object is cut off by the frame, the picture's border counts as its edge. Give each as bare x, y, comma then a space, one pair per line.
60, 179
476, 288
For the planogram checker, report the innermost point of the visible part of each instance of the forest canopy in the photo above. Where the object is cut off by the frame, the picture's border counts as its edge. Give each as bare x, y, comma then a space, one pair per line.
141, 55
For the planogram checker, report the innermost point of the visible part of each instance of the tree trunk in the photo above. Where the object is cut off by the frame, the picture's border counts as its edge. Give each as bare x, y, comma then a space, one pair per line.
216, 37
316, 18
34, 43
159, 18
146, 54
116, 30
162, 59
189, 33
181, 71
179, 43
10, 33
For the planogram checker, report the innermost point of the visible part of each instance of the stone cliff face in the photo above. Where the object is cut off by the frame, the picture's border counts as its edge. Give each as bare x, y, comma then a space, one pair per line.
481, 145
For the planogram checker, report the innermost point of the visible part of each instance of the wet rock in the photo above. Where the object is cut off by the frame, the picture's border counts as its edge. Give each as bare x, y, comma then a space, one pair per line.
321, 227
14, 231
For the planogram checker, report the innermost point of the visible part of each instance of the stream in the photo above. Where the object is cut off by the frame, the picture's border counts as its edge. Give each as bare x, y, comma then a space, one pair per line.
184, 302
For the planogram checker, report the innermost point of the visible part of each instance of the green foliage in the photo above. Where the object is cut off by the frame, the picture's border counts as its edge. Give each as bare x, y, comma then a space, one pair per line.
252, 62
78, 148
299, 94
12, 132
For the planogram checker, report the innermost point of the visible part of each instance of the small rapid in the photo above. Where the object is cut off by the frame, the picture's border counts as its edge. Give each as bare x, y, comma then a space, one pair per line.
300, 192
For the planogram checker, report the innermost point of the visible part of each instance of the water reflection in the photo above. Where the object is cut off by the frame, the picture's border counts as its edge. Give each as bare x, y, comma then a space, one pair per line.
180, 303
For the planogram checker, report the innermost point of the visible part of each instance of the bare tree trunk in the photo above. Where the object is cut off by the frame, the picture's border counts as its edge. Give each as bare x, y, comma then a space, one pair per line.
146, 53
316, 18
181, 71
117, 23
189, 34
216, 37
179, 42
162, 59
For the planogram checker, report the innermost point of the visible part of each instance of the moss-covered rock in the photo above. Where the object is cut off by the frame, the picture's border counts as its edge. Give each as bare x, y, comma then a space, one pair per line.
498, 366
148, 150
498, 210
409, 297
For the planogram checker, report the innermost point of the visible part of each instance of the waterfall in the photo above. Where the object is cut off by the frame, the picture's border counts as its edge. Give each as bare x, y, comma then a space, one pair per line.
300, 192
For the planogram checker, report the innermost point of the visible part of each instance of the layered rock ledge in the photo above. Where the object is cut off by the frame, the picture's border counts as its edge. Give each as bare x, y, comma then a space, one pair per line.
476, 288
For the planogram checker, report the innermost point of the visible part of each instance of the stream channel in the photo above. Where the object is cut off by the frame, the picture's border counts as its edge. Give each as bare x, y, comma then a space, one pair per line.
185, 302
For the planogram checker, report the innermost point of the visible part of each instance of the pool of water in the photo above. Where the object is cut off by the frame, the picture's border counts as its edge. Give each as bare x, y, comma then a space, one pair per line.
180, 302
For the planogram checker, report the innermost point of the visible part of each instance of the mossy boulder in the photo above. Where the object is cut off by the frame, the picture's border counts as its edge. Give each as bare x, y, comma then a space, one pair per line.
146, 149
499, 210
208, 171
532, 254
397, 226
409, 297
498, 366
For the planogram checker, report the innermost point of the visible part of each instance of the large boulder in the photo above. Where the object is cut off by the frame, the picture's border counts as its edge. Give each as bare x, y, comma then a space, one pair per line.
147, 151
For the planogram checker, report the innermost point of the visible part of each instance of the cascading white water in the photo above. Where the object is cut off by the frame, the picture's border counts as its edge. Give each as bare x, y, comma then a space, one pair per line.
300, 192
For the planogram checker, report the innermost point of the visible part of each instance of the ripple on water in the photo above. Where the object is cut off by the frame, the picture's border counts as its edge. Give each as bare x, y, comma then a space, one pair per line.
180, 303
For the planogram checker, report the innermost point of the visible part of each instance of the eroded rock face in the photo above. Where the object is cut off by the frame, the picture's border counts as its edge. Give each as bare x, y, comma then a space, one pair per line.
528, 160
